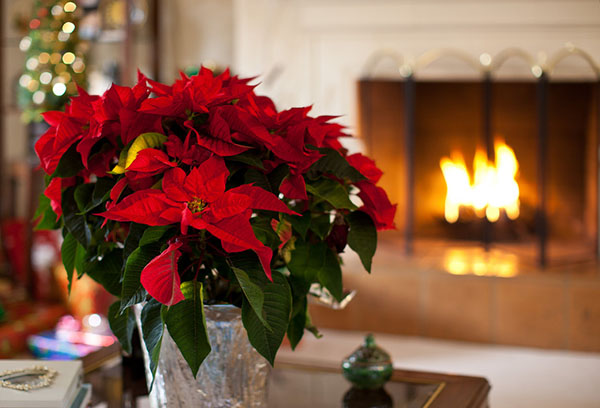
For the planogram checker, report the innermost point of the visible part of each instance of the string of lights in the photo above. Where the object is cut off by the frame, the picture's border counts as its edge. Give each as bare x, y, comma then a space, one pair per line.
55, 58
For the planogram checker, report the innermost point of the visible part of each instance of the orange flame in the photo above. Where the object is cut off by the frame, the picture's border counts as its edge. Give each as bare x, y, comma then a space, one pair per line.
493, 188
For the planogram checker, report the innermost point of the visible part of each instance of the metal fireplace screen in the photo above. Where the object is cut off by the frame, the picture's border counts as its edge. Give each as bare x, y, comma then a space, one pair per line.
510, 164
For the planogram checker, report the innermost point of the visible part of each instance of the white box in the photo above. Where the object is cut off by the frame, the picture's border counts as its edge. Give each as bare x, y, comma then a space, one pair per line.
59, 394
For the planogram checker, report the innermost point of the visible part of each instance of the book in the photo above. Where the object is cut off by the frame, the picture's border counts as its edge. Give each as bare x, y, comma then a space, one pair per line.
60, 394
83, 397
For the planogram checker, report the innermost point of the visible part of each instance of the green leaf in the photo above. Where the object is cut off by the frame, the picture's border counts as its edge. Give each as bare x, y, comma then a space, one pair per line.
133, 239
334, 163
70, 163
264, 231
81, 264
362, 237
75, 223
91, 195
152, 332
276, 177
252, 292
251, 158
300, 224
106, 270
258, 178
276, 307
330, 275
153, 234
132, 291
68, 251
83, 196
320, 225
332, 192
295, 330
317, 262
44, 215
187, 325
102, 189
122, 325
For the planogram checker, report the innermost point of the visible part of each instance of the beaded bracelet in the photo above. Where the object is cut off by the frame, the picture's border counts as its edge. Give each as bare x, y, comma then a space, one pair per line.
46, 377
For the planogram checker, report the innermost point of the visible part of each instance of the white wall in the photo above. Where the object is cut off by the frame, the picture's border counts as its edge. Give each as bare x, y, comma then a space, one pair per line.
196, 32
313, 51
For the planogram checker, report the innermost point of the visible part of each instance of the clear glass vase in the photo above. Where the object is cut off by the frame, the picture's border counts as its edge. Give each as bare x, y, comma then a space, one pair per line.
233, 375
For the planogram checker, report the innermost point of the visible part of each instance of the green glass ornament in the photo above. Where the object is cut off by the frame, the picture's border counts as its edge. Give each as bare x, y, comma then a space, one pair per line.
369, 367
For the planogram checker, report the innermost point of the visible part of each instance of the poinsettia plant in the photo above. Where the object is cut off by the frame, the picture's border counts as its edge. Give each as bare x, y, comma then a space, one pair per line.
202, 192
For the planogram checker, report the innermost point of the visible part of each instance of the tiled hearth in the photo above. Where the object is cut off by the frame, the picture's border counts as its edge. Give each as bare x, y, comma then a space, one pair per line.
556, 308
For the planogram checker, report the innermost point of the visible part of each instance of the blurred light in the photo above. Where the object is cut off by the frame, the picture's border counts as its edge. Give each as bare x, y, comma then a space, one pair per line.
33, 85
32, 63
68, 58
62, 36
59, 89
71, 87
34, 24
68, 27
24, 80
405, 71
56, 10
94, 320
485, 59
65, 77
45, 77
60, 68
38, 97
78, 65
43, 58
25, 43
55, 58
70, 7
536, 70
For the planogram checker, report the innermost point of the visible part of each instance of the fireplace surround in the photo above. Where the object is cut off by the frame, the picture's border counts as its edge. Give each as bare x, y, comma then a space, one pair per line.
409, 124
316, 52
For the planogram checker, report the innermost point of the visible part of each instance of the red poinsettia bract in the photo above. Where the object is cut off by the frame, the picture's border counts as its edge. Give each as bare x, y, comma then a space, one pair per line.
199, 199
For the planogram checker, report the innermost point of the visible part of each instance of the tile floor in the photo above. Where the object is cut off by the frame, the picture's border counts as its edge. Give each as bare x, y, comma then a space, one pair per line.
520, 377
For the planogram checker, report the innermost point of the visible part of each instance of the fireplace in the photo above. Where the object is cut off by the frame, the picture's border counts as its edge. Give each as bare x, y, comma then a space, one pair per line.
505, 165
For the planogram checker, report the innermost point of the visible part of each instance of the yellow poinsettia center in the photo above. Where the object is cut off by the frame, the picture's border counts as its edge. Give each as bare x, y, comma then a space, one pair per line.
196, 205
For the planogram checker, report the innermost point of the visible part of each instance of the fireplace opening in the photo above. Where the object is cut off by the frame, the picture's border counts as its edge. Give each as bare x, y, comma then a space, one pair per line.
505, 169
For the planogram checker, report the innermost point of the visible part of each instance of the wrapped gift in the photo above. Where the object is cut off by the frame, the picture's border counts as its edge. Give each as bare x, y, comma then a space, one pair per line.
63, 383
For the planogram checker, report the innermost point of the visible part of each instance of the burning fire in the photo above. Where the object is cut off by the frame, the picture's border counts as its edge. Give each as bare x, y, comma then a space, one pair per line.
493, 187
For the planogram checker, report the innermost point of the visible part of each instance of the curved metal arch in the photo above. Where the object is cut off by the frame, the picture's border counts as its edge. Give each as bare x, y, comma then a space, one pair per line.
569, 51
512, 52
378, 56
429, 57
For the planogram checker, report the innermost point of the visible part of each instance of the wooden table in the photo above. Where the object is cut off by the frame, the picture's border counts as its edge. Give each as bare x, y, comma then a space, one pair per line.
299, 385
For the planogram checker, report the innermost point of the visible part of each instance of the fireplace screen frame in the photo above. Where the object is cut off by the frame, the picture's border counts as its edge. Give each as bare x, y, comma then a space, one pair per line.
487, 68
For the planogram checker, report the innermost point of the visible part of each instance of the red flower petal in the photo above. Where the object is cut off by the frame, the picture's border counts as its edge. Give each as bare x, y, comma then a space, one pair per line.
173, 183
283, 230
219, 143
161, 278
53, 192
143, 207
236, 235
377, 205
151, 161
294, 187
262, 199
365, 166
115, 192
207, 181
229, 204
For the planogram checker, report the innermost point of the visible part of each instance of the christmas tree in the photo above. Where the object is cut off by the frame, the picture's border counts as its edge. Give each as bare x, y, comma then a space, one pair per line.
55, 58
